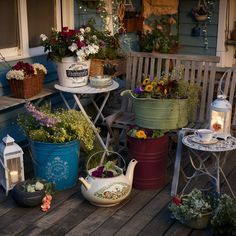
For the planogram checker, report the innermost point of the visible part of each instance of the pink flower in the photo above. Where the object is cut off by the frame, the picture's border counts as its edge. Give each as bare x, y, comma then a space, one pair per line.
177, 201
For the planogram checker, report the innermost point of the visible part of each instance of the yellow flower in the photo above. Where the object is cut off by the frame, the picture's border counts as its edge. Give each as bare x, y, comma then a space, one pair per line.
153, 83
146, 81
141, 134
148, 88
161, 82
165, 91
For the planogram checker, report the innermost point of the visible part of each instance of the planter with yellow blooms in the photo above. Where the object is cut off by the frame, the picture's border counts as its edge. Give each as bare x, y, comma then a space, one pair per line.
150, 148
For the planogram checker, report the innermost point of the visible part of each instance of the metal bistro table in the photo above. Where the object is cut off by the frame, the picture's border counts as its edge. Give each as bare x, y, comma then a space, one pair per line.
88, 90
201, 152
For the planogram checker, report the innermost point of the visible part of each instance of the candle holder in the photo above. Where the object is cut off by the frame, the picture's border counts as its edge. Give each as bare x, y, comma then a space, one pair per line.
11, 163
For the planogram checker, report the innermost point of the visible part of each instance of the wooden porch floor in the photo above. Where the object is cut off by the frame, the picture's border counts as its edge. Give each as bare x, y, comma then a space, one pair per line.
144, 213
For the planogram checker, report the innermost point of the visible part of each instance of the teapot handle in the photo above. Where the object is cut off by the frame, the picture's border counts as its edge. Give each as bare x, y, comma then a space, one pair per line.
105, 153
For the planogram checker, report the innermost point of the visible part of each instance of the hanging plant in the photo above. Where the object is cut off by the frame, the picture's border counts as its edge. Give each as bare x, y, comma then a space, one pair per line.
201, 11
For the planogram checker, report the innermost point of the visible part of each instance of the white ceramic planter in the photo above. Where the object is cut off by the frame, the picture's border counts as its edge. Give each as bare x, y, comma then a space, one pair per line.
73, 73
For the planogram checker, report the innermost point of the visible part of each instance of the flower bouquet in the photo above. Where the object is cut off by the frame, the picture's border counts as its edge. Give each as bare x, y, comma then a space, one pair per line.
164, 103
26, 80
71, 50
193, 209
80, 43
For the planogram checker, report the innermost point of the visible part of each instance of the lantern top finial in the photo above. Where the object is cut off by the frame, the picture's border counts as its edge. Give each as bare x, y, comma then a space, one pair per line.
8, 139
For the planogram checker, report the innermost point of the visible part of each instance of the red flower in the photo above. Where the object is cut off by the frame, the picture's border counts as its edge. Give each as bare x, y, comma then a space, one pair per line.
177, 201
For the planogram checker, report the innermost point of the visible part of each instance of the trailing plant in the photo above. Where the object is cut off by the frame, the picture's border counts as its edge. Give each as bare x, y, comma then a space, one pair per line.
224, 217
190, 206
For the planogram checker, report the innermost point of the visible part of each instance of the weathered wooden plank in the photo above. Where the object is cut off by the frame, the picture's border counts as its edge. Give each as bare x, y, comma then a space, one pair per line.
98, 217
19, 218
123, 215
35, 226
74, 217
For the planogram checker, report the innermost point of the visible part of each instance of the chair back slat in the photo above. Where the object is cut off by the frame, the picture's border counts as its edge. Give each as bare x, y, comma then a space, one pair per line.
197, 69
227, 86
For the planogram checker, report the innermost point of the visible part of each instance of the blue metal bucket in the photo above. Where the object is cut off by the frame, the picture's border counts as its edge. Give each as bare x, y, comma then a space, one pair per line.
56, 162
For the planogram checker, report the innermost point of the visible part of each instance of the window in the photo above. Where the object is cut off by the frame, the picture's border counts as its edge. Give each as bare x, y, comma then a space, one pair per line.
40, 19
22, 22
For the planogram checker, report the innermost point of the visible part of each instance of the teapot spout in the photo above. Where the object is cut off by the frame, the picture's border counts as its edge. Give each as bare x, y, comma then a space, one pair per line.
130, 170
85, 183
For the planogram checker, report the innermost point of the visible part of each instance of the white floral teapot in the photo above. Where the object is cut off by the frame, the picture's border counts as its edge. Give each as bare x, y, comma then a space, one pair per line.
109, 190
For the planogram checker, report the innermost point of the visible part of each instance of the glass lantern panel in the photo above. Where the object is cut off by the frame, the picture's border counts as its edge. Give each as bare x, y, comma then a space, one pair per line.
227, 122
217, 121
14, 170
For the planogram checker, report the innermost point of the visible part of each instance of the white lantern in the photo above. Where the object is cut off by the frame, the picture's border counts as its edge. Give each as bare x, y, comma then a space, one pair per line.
11, 163
221, 117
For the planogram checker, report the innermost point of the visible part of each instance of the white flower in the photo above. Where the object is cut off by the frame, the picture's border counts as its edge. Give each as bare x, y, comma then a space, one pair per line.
43, 37
15, 74
94, 37
81, 30
73, 47
38, 66
87, 29
81, 38
81, 54
39, 186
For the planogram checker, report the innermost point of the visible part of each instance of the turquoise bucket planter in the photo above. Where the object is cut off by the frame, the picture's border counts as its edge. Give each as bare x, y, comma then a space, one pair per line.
160, 113
56, 162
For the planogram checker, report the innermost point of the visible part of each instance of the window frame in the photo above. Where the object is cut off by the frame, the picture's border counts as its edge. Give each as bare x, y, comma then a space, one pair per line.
64, 17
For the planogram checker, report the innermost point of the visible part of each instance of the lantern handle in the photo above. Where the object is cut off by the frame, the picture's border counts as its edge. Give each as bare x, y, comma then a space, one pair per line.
220, 91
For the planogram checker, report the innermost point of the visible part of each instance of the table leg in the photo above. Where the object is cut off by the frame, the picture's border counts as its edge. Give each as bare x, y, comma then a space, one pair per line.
89, 120
99, 110
220, 171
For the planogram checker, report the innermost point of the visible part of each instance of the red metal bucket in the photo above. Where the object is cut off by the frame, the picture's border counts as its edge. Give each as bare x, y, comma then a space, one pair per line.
151, 154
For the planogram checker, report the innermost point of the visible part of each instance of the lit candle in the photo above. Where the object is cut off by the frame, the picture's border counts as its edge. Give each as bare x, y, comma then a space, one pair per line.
14, 176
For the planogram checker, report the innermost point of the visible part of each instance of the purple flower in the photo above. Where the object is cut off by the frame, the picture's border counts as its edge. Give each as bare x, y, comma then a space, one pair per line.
42, 118
138, 90
148, 132
98, 172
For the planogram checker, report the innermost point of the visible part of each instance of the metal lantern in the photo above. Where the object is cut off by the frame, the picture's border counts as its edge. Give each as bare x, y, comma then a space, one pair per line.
221, 117
11, 163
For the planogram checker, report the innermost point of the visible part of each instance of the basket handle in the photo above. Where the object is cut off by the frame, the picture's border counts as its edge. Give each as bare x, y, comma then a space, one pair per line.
104, 153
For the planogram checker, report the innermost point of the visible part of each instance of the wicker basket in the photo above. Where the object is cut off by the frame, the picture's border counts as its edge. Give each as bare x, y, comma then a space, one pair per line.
29, 87
97, 66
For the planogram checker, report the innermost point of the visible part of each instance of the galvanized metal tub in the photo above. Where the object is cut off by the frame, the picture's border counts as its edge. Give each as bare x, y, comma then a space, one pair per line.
160, 113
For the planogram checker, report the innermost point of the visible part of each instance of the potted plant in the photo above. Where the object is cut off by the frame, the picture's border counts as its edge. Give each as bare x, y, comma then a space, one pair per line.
71, 49
31, 193
26, 79
110, 58
106, 184
202, 11
223, 221
150, 148
164, 103
193, 209
55, 138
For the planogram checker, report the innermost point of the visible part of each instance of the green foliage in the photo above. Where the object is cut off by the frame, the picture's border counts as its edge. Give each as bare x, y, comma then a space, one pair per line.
224, 219
190, 206
43, 125
109, 44
159, 38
